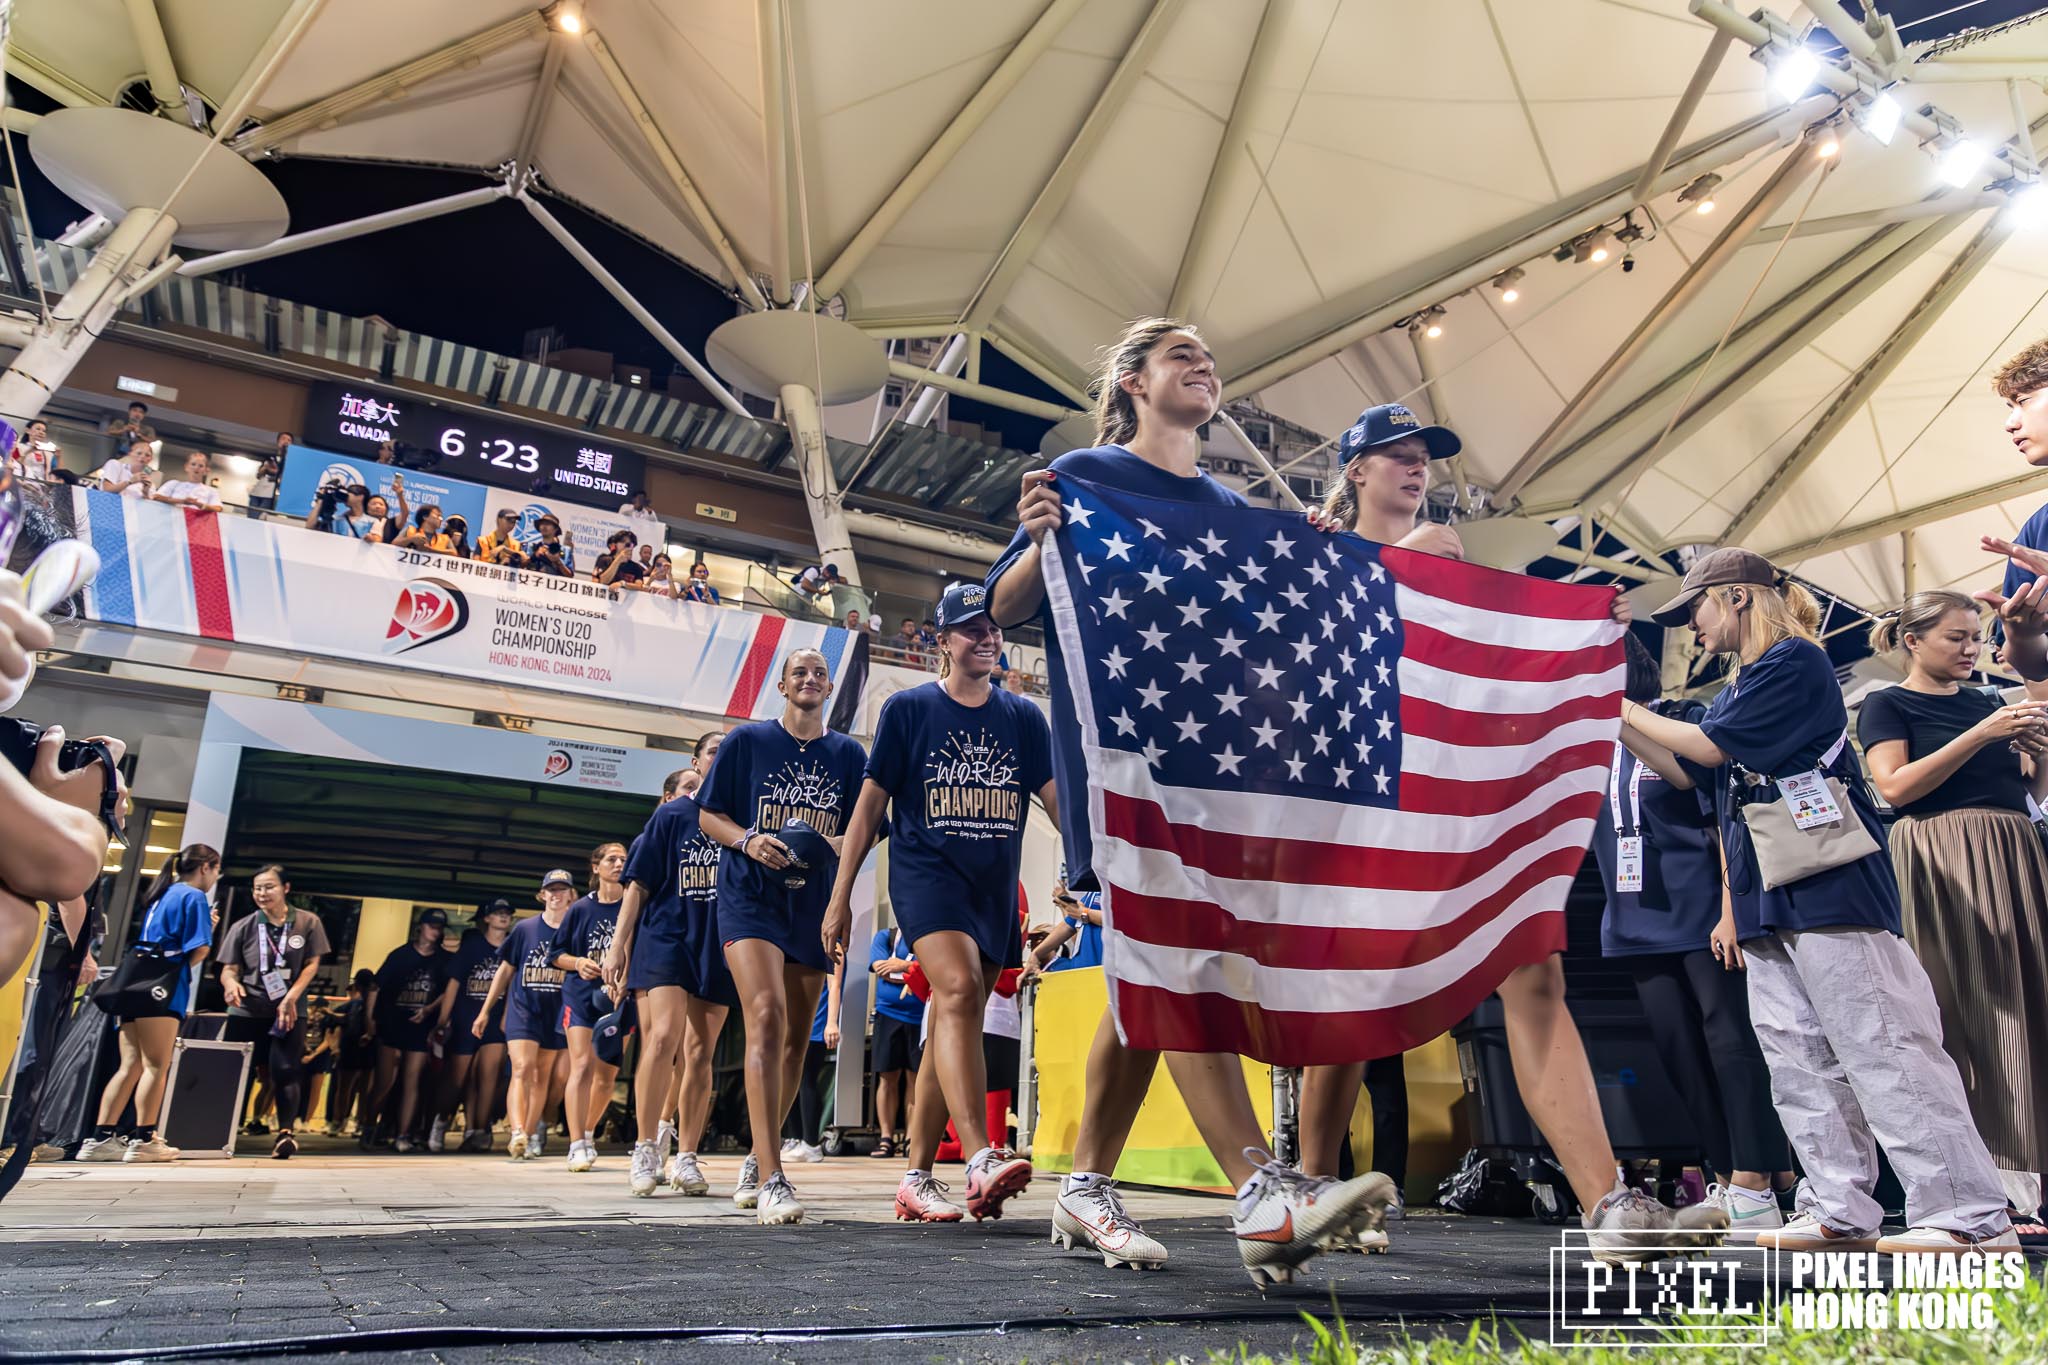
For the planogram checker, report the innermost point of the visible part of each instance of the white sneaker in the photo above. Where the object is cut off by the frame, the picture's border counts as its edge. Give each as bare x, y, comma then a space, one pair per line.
404, 1145
582, 1156
516, 1147
111, 1148
1291, 1215
437, 1135
1749, 1211
1807, 1233
1940, 1241
665, 1138
804, 1151
646, 1170
686, 1175
1629, 1225
778, 1203
1095, 1217
747, 1193
156, 1149
536, 1145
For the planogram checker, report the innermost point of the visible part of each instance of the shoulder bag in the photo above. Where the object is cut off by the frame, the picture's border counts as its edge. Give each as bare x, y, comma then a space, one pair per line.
1785, 853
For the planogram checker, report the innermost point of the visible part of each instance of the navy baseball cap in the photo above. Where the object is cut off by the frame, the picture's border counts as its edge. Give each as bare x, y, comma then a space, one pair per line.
439, 917
500, 906
557, 878
961, 603
812, 851
608, 1035
1388, 423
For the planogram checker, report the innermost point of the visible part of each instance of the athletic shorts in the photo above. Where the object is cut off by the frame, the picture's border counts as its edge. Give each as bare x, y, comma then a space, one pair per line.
679, 946
584, 1011
995, 931
463, 1043
797, 934
543, 1026
398, 1030
894, 1046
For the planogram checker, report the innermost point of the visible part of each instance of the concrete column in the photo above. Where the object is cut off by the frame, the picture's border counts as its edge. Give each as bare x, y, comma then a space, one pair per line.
821, 491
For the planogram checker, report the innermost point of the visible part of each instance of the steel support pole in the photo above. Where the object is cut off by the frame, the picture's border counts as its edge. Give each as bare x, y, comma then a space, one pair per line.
1847, 31
1259, 458
1799, 163
822, 497
981, 393
1227, 170
768, 40
341, 232
1681, 115
2026, 485
1874, 372
951, 360
972, 115
147, 26
76, 319
1938, 207
1439, 412
1038, 367
611, 285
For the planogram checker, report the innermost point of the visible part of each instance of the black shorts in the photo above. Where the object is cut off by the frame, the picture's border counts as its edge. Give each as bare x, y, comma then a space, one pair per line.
895, 1046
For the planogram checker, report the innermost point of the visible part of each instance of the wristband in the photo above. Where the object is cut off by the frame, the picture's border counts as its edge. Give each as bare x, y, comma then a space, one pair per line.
745, 836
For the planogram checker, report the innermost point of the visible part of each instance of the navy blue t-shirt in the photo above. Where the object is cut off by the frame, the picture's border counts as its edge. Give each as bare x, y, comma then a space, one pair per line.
1680, 902
536, 982
677, 863
408, 980
1779, 718
893, 999
2033, 535
473, 965
586, 931
762, 779
960, 781
1114, 467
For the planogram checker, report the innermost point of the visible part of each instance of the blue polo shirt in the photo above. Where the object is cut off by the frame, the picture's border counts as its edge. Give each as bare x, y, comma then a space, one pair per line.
178, 921
1779, 718
1114, 467
893, 1000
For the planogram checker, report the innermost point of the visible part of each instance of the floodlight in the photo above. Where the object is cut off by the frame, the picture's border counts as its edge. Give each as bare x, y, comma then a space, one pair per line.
1794, 72
1882, 118
1960, 163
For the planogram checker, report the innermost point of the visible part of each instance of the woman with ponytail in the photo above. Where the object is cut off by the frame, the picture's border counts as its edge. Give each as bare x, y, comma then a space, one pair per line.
1156, 390
579, 950
1958, 765
1847, 1019
178, 918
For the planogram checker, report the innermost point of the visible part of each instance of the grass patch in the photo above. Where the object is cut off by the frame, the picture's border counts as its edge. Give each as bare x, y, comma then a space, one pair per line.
2018, 1337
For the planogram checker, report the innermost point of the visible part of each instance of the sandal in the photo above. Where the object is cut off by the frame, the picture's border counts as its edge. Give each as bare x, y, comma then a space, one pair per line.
883, 1148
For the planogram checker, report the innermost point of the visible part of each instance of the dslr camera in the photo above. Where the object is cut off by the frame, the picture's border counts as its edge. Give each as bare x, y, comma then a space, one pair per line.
18, 740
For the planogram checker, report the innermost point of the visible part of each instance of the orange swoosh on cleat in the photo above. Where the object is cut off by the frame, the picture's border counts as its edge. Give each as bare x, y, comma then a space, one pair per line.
1283, 1233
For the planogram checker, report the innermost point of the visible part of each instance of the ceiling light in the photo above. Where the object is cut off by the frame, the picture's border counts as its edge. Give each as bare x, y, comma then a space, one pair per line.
1882, 117
1599, 247
1508, 283
2029, 207
1700, 193
1827, 146
1433, 330
1960, 163
1793, 73
569, 19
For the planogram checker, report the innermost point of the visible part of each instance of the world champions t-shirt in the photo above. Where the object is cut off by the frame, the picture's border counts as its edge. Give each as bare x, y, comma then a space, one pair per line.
763, 778
586, 931
408, 980
536, 981
473, 965
960, 781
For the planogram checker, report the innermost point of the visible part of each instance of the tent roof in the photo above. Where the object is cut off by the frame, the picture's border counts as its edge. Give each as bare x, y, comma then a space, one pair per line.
1297, 176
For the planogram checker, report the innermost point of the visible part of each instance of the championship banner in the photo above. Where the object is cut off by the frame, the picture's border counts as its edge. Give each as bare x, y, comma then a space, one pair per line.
584, 529
187, 572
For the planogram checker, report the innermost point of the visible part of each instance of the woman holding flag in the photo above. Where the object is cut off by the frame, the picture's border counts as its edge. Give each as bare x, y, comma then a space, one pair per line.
1385, 457
1157, 389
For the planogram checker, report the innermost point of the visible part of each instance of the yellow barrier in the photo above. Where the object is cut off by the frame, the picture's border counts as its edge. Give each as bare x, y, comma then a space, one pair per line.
13, 1001
1166, 1150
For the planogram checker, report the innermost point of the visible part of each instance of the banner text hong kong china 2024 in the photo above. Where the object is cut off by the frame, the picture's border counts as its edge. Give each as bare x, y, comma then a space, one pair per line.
228, 578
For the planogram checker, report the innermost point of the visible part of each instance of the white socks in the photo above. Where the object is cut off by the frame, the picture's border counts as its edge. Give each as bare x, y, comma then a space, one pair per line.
1081, 1180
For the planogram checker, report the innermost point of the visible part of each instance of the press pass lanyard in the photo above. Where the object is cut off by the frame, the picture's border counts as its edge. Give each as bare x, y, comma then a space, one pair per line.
1628, 862
1807, 796
270, 957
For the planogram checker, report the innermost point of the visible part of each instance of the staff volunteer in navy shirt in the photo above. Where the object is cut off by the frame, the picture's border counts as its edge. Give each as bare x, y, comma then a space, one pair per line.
178, 920
412, 1000
666, 952
1660, 863
475, 1060
580, 946
1835, 994
771, 903
531, 985
955, 765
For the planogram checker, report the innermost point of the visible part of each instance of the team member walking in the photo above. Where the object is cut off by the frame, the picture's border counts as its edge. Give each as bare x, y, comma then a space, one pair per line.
531, 986
411, 1000
773, 774
474, 1061
1845, 1014
954, 767
665, 950
267, 961
1661, 865
178, 919
1973, 877
1158, 388
579, 950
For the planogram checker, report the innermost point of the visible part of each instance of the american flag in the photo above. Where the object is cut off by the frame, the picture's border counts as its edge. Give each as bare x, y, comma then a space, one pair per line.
1337, 789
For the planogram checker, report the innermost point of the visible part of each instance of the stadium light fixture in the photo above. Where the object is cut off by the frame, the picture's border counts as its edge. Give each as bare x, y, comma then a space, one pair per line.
1508, 282
1960, 163
1793, 73
1882, 116
2029, 206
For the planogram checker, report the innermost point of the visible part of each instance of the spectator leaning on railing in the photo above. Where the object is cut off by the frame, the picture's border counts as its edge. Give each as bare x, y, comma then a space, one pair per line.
195, 489
700, 589
616, 566
35, 455
128, 473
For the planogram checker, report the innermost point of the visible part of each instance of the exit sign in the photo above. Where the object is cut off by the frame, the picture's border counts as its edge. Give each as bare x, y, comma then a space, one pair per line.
710, 513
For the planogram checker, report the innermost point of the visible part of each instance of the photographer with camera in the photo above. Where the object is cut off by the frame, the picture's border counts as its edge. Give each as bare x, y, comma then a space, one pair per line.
353, 510
551, 554
501, 546
178, 922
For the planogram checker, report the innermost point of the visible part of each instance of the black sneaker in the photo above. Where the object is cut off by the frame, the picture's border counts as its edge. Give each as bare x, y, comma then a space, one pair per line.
255, 1128
284, 1149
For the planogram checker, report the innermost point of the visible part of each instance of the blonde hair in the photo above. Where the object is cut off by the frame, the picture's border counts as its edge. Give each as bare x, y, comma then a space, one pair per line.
1116, 412
1784, 612
1921, 614
1340, 499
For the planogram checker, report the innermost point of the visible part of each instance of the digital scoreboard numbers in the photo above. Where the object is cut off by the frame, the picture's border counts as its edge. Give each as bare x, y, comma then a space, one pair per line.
356, 419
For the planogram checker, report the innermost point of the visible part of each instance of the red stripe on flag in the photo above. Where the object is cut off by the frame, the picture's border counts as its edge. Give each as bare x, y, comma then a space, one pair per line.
1153, 1019
1207, 927
209, 575
1309, 862
1423, 719
1500, 663
1461, 583
1429, 795
746, 690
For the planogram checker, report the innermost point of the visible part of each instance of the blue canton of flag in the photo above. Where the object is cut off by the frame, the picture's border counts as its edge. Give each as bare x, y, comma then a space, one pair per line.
1295, 693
